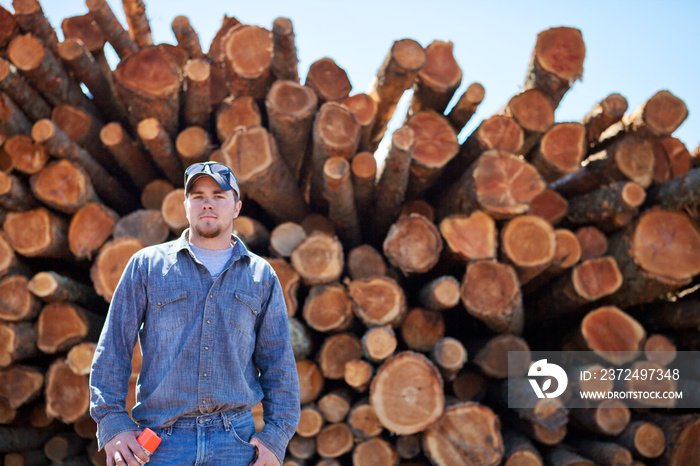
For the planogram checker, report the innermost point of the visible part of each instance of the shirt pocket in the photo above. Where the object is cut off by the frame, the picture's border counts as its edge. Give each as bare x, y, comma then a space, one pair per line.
168, 308
246, 308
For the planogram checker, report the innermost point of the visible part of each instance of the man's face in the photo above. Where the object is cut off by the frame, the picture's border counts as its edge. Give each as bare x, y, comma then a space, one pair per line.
210, 210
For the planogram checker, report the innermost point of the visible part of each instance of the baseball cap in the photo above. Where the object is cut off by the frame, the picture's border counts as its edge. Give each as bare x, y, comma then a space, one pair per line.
219, 172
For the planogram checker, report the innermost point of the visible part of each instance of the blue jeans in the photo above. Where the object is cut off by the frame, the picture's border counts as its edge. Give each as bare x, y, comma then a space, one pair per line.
210, 439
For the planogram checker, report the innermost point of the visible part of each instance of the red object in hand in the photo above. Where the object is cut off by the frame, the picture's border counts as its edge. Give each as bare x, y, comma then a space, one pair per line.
149, 440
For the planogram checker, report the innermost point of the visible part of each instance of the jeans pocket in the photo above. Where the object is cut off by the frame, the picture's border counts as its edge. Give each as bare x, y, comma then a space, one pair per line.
243, 428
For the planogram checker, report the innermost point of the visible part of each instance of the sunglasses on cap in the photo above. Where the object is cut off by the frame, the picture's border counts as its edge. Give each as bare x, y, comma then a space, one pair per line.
221, 173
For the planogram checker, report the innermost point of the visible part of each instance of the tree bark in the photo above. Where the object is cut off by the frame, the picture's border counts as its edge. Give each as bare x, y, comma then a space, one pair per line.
139, 29
609, 417
284, 50
318, 259
197, 99
682, 436
149, 83
328, 80
253, 156
61, 325
658, 117
247, 53
603, 115
27, 98
290, 109
556, 62
364, 172
8, 28
51, 286
18, 342
37, 233
338, 191
601, 206
127, 154
59, 145
109, 264
437, 79
413, 244
466, 106
407, 393
603, 453
67, 394
12, 120
187, 37
113, 31
378, 301
644, 439
491, 292
15, 195
89, 228
364, 107
30, 16
159, 145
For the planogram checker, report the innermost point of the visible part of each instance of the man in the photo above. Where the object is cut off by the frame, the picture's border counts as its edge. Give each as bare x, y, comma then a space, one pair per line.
212, 325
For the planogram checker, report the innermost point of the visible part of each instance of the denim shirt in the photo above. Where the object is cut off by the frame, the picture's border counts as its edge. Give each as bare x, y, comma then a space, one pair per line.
208, 345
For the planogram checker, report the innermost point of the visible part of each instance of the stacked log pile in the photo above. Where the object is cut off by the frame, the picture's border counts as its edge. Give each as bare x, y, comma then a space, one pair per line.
406, 282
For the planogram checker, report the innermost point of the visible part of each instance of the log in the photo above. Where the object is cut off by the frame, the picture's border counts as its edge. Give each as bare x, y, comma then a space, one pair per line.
658, 117
318, 222
300, 337
18, 342
252, 232
310, 381
440, 294
335, 351
303, 448
127, 154
469, 385
660, 349
149, 82
37, 233
318, 259
556, 62
678, 194
8, 27
630, 158
310, 421
63, 186
566, 255
413, 244
334, 440
466, 106
64, 446
16, 302
59, 145
375, 451
89, 228
655, 255
22, 93
61, 325
468, 433
418, 206
156, 140
219, 85
609, 417
490, 292
335, 405
518, 450
27, 156
22, 438
602, 116
45, 72
109, 264
671, 160
336, 133
328, 80
173, 211
290, 110
284, 50
528, 243
588, 282
197, 103
235, 112
358, 374
12, 120
407, 393
193, 145
379, 343
328, 308
421, 329
187, 37
148, 226
565, 457
644, 439
247, 54
449, 355
30, 17
517, 395
549, 205
285, 237
436, 144
15, 195
682, 436
561, 150
492, 357
20, 384
499, 183
252, 155
51, 286
603, 453
338, 191
532, 110
26, 458
593, 242
67, 394
113, 31
363, 169
10, 264
86, 30
154, 192
408, 446
612, 334
603, 205
437, 79
395, 172
364, 107
139, 29
470, 237
364, 261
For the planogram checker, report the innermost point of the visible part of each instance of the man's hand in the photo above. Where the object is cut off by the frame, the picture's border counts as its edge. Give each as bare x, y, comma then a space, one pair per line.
124, 449
265, 455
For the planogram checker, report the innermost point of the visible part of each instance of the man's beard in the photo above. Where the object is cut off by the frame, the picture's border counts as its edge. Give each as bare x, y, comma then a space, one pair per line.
208, 233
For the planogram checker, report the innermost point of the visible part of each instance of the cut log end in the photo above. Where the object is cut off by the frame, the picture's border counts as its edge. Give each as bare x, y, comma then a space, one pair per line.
561, 51
378, 300
528, 241
491, 292
596, 278
109, 264
413, 244
318, 259
613, 334
649, 440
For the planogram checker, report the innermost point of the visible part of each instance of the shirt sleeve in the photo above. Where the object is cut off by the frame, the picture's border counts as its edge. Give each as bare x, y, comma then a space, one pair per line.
274, 358
111, 364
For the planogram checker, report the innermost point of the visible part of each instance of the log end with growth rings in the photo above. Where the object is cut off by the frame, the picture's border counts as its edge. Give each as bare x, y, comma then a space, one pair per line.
596, 278
413, 244
378, 300
561, 51
528, 241
613, 334
318, 259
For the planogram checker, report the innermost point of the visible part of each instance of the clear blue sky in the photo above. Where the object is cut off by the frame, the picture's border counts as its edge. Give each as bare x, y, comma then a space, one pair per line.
633, 47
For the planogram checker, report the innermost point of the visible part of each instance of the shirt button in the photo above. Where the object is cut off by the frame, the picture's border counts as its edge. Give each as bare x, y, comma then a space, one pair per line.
211, 296
208, 321
204, 402
206, 348
205, 374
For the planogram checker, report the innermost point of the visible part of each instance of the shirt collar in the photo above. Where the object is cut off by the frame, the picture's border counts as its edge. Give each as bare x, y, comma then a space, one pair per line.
239, 249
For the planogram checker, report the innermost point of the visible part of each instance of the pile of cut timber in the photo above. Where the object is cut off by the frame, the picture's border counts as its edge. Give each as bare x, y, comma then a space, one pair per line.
406, 283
